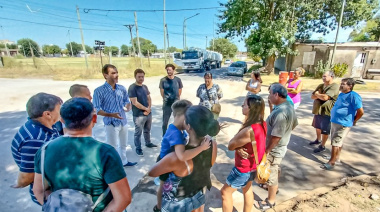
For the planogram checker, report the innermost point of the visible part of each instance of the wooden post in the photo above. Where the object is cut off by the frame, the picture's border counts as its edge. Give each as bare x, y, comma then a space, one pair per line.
148, 58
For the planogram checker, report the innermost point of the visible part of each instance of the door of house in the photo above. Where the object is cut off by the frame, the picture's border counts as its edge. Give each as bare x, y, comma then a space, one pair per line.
357, 68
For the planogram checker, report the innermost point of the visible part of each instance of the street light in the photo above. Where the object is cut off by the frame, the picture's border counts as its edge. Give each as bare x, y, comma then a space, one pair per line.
184, 30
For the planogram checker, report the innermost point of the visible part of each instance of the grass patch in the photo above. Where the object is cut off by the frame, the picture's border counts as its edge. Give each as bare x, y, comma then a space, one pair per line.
75, 68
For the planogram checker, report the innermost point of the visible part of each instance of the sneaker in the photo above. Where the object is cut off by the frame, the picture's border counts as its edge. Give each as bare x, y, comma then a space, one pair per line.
151, 145
139, 152
314, 142
155, 209
320, 149
130, 164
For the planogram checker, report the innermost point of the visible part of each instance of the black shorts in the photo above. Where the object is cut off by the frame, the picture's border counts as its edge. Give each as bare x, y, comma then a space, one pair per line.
323, 123
162, 177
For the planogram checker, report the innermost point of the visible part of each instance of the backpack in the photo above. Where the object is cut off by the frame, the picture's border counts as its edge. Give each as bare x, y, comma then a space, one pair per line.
67, 200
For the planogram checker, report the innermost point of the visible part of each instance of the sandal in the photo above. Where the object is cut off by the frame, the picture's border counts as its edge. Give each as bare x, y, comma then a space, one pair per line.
327, 167
266, 206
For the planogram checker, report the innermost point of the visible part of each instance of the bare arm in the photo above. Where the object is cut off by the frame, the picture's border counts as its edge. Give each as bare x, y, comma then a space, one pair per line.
323, 97
38, 188
240, 139
272, 144
122, 196
165, 165
297, 90
180, 92
359, 114
24, 179
214, 152
113, 115
184, 155
139, 105
253, 90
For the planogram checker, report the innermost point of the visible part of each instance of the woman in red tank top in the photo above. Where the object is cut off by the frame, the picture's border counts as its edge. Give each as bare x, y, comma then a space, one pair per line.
244, 171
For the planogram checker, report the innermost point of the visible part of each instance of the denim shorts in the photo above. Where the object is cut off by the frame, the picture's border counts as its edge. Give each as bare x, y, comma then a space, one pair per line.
238, 180
184, 205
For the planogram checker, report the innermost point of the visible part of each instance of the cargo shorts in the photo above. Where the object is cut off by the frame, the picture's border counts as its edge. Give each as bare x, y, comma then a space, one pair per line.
274, 169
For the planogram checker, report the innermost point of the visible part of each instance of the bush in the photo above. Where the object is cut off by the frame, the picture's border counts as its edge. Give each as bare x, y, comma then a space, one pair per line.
253, 68
340, 69
321, 69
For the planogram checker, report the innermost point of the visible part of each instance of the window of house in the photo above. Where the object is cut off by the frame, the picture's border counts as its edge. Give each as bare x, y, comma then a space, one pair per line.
362, 59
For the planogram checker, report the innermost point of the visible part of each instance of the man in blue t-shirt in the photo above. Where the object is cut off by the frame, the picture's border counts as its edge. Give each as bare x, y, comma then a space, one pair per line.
348, 109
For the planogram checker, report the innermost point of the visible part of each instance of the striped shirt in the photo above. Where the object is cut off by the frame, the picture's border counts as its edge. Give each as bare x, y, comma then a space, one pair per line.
29, 138
111, 101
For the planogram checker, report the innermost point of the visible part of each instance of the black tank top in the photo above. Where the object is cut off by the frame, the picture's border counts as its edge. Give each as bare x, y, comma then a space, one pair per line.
199, 177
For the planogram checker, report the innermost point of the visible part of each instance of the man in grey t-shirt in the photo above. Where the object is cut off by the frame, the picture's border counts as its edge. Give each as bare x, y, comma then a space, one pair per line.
280, 124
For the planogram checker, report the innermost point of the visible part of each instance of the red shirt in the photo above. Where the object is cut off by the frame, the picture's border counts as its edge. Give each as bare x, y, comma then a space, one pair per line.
248, 165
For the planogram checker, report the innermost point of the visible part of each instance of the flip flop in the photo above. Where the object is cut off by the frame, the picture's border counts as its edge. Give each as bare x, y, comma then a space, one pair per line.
265, 207
327, 166
327, 157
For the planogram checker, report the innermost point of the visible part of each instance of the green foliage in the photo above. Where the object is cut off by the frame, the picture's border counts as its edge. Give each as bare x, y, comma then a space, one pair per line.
254, 68
340, 69
89, 49
25, 47
369, 32
272, 26
223, 46
65, 51
321, 69
113, 49
255, 58
75, 46
172, 49
145, 45
51, 49
125, 49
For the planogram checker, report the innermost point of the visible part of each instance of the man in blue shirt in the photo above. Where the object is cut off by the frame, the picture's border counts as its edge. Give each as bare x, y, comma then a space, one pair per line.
111, 101
348, 109
43, 113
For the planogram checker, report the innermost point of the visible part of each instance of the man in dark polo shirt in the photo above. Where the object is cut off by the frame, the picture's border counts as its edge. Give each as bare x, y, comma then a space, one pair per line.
171, 89
141, 109
78, 161
43, 113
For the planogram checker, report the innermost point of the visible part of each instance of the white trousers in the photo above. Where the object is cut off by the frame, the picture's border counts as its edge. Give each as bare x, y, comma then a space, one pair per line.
118, 137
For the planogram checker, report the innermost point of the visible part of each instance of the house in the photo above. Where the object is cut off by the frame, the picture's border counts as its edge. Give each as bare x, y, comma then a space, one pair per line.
359, 56
241, 56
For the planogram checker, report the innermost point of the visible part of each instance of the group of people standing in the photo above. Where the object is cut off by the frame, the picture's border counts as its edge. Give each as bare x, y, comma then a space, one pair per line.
79, 162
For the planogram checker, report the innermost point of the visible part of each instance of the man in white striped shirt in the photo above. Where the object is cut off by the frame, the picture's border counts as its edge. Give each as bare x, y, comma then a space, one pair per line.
43, 113
111, 101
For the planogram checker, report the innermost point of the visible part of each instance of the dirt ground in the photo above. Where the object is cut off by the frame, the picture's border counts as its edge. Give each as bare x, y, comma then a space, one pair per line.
350, 196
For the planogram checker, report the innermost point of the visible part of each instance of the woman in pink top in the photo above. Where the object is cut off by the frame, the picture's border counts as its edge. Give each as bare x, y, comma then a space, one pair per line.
244, 171
295, 86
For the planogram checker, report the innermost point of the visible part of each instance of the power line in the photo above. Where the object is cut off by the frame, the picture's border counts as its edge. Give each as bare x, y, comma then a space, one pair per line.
87, 10
67, 27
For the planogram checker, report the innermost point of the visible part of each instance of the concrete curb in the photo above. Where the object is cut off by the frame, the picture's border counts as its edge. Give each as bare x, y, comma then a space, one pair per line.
289, 205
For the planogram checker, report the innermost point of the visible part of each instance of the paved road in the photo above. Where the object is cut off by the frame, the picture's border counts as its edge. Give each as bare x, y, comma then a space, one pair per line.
300, 170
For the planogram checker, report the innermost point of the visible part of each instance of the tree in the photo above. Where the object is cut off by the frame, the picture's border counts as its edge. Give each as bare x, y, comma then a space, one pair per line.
125, 49
51, 49
172, 49
76, 48
25, 47
89, 49
254, 57
113, 49
65, 51
145, 45
274, 25
370, 31
224, 46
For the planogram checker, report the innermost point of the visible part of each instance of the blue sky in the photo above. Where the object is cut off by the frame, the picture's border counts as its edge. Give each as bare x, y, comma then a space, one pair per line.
63, 13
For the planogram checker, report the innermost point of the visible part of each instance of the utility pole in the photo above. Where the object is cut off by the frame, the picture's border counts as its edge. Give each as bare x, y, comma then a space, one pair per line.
337, 32
71, 47
164, 35
206, 42
167, 37
81, 34
213, 34
31, 50
138, 40
130, 26
184, 30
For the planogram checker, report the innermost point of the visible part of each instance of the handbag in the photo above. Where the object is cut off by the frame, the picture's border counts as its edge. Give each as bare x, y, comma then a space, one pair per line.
262, 167
216, 107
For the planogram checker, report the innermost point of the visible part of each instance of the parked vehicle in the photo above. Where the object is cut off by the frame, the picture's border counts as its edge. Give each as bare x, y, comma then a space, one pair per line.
198, 60
228, 61
245, 65
236, 69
